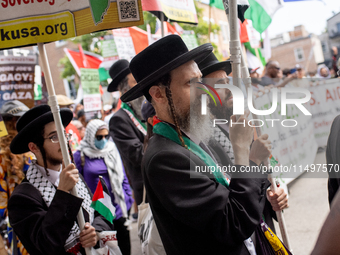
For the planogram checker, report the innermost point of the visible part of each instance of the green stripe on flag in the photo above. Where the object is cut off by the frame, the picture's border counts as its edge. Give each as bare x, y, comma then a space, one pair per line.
252, 51
257, 14
103, 210
217, 3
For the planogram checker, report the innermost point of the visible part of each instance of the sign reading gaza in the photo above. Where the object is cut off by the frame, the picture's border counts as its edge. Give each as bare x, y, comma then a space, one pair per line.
26, 22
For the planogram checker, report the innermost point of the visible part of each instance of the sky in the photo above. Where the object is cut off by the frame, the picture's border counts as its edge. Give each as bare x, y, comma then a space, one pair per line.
312, 14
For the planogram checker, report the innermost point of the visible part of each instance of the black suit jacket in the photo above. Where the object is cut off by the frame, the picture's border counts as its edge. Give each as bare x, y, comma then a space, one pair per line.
44, 230
195, 214
268, 212
129, 141
333, 157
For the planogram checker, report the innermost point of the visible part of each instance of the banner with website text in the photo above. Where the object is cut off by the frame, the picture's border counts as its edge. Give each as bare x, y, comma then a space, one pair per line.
27, 22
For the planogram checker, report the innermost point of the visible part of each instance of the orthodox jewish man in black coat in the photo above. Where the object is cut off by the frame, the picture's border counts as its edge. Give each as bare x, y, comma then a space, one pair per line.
41, 209
126, 128
216, 72
196, 211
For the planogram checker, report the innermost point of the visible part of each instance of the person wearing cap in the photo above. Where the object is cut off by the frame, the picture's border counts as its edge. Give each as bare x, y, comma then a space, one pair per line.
196, 212
65, 102
99, 156
272, 75
41, 209
214, 71
126, 128
12, 166
113, 110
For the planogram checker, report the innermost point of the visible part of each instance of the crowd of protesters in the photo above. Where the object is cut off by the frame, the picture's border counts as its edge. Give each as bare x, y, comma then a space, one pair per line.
144, 147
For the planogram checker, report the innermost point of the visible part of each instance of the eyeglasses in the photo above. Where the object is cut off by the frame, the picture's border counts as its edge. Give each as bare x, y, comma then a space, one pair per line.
277, 68
55, 138
99, 137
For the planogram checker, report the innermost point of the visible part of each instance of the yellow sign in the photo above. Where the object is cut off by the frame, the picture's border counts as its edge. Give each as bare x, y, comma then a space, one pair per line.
3, 130
33, 30
175, 13
35, 21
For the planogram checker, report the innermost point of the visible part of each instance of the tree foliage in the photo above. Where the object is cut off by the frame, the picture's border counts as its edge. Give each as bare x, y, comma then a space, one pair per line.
68, 69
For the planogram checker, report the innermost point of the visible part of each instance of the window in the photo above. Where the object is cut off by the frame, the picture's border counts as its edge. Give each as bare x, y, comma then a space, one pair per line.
299, 55
338, 27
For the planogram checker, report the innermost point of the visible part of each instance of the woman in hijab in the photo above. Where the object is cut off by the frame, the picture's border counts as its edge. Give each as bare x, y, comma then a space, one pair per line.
323, 72
97, 156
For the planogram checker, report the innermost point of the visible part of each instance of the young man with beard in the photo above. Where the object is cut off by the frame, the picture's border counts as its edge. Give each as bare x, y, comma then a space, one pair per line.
216, 72
126, 129
41, 209
195, 212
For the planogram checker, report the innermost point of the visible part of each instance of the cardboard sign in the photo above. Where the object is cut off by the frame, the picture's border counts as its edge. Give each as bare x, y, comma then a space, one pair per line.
17, 79
26, 22
90, 83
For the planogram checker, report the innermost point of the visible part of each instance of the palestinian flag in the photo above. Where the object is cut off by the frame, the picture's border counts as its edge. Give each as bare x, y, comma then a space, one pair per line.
261, 12
101, 201
242, 6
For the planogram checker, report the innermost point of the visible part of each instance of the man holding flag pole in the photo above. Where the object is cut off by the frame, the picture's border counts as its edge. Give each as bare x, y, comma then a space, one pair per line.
237, 60
42, 211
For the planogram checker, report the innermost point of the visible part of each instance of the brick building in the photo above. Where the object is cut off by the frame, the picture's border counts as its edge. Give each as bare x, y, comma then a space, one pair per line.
303, 48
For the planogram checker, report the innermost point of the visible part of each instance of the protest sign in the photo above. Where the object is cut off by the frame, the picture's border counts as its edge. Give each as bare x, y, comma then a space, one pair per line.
294, 147
190, 40
175, 10
109, 50
325, 106
90, 83
124, 43
17, 79
26, 22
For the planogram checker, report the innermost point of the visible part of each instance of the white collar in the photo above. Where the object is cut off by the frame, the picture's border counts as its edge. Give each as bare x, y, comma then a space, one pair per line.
53, 175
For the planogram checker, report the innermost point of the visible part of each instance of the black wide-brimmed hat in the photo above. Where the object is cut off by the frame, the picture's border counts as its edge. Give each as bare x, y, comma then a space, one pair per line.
159, 59
211, 64
118, 72
31, 121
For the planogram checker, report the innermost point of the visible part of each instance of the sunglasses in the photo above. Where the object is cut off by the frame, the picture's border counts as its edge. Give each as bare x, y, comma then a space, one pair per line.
99, 137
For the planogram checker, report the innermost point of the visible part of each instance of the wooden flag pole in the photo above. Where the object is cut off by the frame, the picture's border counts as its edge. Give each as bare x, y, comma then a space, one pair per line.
162, 24
237, 58
60, 129
279, 214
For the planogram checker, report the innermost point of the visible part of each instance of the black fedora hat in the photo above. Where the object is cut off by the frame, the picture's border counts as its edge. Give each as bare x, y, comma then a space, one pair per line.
211, 64
159, 59
118, 72
29, 122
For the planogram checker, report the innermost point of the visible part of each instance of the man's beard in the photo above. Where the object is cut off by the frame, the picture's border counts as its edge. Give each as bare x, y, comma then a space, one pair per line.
137, 107
54, 161
193, 122
221, 112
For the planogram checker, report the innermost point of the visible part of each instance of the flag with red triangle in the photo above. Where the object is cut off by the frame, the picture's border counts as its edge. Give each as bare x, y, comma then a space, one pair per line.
101, 201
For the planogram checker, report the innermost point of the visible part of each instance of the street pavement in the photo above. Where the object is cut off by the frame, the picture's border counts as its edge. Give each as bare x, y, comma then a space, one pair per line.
308, 208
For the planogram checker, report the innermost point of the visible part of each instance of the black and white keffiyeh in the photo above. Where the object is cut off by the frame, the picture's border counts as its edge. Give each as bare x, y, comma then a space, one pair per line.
225, 143
48, 190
